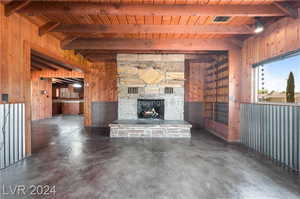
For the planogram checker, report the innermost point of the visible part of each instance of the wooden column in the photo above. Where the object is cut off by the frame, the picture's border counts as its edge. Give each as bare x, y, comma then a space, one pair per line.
235, 65
27, 93
87, 99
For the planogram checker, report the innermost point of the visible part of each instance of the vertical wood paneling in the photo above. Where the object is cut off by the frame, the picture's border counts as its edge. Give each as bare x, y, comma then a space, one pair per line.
235, 63
100, 86
17, 38
41, 104
15, 30
194, 84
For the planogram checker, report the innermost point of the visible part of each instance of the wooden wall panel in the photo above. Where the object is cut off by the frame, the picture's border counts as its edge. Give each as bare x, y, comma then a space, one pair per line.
100, 86
71, 108
194, 84
15, 31
41, 104
234, 95
17, 37
279, 38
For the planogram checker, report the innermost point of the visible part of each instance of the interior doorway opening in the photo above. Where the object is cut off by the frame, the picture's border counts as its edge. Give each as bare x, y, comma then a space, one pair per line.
67, 96
57, 88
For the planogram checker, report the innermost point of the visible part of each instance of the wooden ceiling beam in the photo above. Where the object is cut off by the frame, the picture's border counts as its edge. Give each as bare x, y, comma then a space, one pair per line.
73, 80
79, 79
42, 65
101, 57
149, 29
63, 80
44, 62
201, 60
88, 52
288, 8
15, 6
68, 40
91, 8
67, 80
48, 27
152, 44
55, 80
36, 68
199, 56
36, 54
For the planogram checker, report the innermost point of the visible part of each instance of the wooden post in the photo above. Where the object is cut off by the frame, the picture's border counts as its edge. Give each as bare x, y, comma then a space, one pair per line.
235, 65
27, 94
87, 99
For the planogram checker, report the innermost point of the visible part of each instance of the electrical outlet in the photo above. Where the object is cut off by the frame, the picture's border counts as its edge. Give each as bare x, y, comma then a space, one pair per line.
4, 97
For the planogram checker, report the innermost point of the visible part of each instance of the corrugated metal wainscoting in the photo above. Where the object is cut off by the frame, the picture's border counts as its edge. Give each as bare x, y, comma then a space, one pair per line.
273, 130
12, 134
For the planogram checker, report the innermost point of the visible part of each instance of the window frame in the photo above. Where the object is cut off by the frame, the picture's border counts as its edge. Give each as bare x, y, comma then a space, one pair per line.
255, 76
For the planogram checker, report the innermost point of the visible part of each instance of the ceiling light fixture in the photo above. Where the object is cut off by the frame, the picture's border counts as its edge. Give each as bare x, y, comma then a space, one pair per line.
76, 85
259, 27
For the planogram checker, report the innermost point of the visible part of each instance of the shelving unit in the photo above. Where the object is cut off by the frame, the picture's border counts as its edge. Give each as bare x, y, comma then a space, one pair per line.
216, 90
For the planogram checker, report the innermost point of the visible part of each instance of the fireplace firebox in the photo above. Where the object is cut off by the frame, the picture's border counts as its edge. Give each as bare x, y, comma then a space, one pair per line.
150, 109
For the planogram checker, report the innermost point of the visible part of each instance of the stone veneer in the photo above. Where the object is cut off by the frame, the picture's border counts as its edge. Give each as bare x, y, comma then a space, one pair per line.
151, 73
150, 128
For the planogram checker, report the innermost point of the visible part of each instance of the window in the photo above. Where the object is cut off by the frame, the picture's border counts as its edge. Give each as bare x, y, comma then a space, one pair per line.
271, 80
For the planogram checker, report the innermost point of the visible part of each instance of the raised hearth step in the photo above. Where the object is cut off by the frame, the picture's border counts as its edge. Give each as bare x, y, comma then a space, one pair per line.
150, 128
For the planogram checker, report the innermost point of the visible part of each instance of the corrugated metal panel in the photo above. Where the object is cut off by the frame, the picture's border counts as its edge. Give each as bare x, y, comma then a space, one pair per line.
273, 130
12, 134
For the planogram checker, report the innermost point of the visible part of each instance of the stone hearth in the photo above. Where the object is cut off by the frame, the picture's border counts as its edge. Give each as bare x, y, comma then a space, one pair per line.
150, 128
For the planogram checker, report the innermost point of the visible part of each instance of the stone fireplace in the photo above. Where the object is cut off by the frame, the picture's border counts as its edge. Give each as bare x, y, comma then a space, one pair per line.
143, 77
150, 96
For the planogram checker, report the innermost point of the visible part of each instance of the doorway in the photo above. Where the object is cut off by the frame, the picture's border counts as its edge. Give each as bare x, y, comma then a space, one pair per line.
57, 89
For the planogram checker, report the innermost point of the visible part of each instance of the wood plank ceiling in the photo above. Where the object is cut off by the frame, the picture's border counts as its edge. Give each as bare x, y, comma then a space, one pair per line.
148, 20
65, 82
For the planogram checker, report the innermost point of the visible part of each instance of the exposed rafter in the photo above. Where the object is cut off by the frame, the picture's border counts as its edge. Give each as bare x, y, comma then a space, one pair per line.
89, 52
36, 67
67, 40
68, 80
100, 57
48, 27
15, 6
89, 8
44, 62
135, 29
42, 65
152, 44
51, 61
288, 8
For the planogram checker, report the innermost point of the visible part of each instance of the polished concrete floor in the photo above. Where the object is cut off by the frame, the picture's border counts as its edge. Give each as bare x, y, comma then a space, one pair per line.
85, 163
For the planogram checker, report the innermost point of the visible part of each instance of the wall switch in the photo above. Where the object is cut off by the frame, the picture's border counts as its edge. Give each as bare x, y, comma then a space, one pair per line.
4, 97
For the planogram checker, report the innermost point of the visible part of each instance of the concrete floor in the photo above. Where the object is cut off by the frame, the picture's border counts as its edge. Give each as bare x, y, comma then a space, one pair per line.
85, 163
